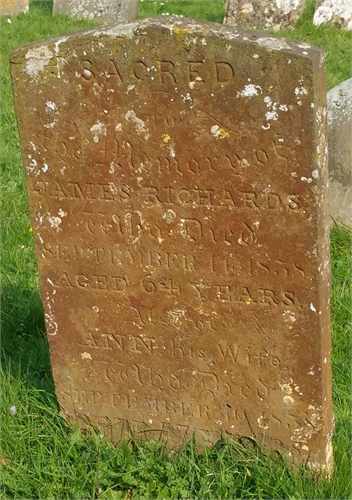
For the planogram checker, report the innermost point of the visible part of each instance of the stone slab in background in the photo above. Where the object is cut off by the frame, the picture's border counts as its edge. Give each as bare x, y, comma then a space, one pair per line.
177, 178
340, 144
263, 14
13, 7
101, 10
336, 13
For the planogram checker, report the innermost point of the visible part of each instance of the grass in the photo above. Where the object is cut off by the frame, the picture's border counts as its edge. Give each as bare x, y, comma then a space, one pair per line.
43, 456
211, 10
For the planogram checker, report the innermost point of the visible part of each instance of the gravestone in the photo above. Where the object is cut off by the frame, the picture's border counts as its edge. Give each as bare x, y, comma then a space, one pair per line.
263, 14
336, 13
13, 7
177, 180
340, 141
101, 10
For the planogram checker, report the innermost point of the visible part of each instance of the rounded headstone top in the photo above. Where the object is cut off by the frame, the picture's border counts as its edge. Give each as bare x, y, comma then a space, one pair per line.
174, 26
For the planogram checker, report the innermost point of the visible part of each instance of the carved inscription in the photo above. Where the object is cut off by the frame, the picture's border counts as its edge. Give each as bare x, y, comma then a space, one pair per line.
165, 407
176, 182
168, 195
224, 293
233, 354
161, 73
257, 267
87, 281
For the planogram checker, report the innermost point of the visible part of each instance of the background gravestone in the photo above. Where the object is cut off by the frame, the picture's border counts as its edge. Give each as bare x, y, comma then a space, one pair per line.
263, 14
13, 7
337, 13
340, 142
101, 10
177, 181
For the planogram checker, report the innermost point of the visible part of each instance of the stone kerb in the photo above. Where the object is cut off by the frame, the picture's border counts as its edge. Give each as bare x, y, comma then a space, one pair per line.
263, 14
336, 13
108, 11
177, 175
340, 144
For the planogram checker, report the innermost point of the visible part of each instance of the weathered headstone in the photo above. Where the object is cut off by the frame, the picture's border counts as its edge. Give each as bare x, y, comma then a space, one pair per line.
101, 10
263, 14
177, 182
336, 13
340, 144
13, 7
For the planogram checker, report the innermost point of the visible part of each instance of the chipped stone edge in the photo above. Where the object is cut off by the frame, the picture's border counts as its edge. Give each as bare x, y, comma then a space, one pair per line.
175, 25
325, 462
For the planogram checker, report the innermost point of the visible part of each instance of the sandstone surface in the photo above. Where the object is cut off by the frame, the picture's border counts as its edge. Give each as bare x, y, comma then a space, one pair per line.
177, 180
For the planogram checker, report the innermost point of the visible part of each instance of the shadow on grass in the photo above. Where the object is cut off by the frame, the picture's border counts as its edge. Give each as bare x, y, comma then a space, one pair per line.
24, 345
44, 5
